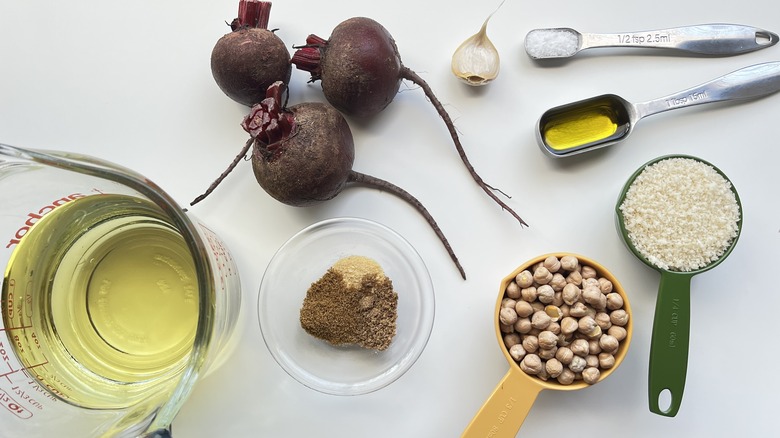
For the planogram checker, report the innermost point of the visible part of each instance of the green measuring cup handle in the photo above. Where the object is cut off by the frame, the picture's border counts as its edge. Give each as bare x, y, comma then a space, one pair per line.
669, 343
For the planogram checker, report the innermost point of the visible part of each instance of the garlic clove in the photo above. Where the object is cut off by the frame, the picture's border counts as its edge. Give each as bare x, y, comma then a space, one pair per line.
476, 61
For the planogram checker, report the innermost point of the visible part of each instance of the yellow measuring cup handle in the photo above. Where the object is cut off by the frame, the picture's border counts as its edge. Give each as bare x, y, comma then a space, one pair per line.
505, 410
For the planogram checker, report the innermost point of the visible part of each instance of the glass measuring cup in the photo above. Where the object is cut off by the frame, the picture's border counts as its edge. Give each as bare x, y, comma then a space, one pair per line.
604, 120
671, 323
505, 410
85, 240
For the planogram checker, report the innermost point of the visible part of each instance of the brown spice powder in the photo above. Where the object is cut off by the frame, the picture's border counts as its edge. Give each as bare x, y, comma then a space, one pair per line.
352, 304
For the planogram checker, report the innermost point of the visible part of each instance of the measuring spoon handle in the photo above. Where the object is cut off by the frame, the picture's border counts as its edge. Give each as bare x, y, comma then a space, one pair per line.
703, 39
746, 83
669, 342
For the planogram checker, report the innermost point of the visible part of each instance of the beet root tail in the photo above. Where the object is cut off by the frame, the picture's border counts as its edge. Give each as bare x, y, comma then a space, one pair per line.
227, 171
410, 75
371, 181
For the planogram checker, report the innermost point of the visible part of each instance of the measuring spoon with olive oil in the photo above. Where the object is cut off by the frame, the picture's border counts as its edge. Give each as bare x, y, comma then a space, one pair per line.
604, 120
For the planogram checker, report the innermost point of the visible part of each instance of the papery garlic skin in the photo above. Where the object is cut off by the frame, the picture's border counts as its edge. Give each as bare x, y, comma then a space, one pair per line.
476, 61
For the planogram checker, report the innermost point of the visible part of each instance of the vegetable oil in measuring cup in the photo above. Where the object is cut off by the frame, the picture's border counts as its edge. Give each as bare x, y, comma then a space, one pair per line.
100, 301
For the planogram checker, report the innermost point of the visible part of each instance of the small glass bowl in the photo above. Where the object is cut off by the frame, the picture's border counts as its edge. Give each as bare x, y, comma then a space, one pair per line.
302, 260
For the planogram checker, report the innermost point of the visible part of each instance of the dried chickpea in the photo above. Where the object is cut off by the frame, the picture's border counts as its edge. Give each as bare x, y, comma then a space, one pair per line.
540, 320
618, 332
586, 325
547, 340
537, 306
552, 264
606, 360
609, 344
531, 344
592, 360
524, 279
590, 282
542, 275
614, 301
508, 302
588, 272
592, 296
554, 312
591, 375
528, 294
569, 325
555, 328
569, 263
513, 290
605, 285
593, 346
571, 293
558, 299
577, 364
578, 309
545, 293
565, 340
523, 326
580, 347
554, 367
531, 364
574, 277
543, 373
603, 320
511, 339
566, 377
524, 309
619, 317
558, 282
517, 352
505, 328
564, 355
547, 353
507, 315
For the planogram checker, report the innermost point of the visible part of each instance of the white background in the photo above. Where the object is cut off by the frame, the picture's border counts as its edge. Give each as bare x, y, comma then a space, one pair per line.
130, 82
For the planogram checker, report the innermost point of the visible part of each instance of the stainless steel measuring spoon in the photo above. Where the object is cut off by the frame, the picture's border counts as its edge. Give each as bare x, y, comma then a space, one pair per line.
604, 120
704, 39
670, 337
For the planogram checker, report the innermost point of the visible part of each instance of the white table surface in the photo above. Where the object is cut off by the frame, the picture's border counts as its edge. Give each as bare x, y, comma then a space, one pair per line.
131, 83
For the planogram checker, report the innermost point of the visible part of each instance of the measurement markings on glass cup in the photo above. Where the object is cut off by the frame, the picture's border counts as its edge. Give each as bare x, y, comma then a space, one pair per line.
13, 406
644, 38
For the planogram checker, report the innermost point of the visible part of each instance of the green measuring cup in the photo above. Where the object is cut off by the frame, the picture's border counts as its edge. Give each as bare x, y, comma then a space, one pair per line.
671, 322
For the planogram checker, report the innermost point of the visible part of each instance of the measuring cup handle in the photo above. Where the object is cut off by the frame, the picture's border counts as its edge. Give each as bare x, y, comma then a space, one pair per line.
505, 410
669, 343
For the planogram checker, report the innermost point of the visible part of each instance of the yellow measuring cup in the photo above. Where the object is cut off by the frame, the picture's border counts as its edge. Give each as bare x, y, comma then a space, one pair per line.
502, 415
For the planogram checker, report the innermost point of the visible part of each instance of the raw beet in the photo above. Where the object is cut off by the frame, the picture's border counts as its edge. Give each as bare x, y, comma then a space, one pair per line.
303, 155
360, 71
246, 61
312, 167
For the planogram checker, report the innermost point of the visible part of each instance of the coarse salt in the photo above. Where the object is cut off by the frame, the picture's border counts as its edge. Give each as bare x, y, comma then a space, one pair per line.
551, 43
681, 214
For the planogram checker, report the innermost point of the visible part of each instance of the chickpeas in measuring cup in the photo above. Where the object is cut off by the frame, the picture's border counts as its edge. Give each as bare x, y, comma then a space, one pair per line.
563, 323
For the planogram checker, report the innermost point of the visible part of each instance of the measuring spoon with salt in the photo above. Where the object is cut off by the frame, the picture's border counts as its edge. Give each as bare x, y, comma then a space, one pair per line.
604, 120
704, 39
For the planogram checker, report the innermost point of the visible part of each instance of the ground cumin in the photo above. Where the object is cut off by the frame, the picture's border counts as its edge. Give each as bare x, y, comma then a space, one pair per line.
352, 304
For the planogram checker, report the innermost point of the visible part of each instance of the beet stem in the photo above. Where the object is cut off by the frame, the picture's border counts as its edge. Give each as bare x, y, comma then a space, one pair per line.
410, 75
254, 13
368, 180
227, 171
